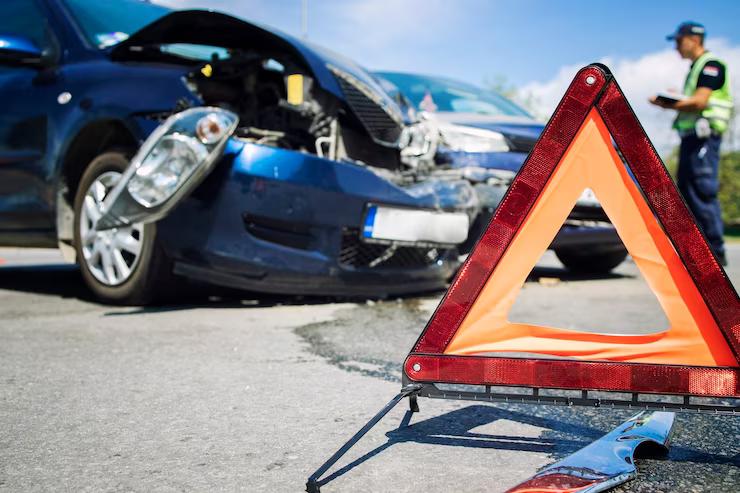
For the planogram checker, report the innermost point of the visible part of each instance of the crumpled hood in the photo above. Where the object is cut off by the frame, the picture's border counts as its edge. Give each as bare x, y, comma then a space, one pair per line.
207, 27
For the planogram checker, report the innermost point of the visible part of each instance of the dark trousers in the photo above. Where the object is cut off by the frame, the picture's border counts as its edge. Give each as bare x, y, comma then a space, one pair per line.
698, 181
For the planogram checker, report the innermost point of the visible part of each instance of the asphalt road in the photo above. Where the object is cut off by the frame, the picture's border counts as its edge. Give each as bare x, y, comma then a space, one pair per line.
253, 393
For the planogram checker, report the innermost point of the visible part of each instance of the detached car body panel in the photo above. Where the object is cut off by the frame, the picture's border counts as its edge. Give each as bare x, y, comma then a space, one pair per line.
283, 207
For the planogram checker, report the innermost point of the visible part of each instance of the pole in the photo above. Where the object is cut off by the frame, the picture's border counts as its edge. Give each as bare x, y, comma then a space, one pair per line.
304, 19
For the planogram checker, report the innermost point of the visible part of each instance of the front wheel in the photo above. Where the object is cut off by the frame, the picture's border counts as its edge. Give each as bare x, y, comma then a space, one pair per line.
120, 265
590, 262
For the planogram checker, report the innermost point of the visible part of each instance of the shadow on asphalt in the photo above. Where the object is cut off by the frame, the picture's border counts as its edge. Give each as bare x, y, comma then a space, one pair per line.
62, 280
562, 436
65, 281
455, 429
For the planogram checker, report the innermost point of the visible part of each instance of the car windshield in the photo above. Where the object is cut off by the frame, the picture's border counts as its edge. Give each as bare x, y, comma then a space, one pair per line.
440, 94
106, 23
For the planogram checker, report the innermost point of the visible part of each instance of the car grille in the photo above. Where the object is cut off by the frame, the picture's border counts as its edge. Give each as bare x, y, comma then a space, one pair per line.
518, 143
292, 234
377, 120
357, 254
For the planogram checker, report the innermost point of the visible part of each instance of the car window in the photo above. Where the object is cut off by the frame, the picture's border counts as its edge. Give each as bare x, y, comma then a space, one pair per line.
24, 18
440, 94
106, 23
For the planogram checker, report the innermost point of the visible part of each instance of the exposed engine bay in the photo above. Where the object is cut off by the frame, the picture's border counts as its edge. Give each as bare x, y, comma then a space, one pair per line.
256, 88
279, 104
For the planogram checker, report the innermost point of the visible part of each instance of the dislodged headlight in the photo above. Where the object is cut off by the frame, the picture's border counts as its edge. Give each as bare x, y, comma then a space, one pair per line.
470, 139
170, 163
186, 143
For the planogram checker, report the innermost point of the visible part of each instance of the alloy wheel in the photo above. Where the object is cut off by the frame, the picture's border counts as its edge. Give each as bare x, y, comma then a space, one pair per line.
111, 255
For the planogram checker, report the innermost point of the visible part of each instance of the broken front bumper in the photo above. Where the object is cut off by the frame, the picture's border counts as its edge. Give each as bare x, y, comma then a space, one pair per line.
274, 220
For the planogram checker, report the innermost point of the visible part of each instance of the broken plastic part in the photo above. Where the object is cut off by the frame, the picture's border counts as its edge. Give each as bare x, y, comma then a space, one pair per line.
605, 463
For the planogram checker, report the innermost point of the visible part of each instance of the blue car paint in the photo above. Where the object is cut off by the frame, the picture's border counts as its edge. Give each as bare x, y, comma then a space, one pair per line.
310, 171
21, 45
205, 235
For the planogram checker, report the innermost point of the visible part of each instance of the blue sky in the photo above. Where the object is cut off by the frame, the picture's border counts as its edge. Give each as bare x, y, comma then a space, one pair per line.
536, 45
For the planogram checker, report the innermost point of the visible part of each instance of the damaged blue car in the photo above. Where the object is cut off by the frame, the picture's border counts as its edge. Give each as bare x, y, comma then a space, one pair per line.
152, 145
485, 138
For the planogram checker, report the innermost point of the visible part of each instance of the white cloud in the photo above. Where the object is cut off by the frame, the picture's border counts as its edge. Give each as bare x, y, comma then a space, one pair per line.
390, 22
640, 78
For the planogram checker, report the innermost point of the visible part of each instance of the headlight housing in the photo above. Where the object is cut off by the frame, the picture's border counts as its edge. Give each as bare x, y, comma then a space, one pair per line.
187, 141
171, 161
170, 164
471, 139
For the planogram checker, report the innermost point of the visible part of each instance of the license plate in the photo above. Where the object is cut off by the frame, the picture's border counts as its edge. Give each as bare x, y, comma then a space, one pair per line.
415, 225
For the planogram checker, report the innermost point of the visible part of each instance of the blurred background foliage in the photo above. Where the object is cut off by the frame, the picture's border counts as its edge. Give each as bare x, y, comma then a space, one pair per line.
729, 185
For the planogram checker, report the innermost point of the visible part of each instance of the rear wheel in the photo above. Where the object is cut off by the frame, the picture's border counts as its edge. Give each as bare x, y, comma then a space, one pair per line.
120, 265
590, 262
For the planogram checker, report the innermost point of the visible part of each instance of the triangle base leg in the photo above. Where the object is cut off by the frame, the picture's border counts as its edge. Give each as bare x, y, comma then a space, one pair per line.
314, 483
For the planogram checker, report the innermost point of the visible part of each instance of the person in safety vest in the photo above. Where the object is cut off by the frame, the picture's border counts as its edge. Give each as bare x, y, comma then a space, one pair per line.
704, 113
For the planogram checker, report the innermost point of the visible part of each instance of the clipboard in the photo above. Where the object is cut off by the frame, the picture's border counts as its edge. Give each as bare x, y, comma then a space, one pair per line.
669, 97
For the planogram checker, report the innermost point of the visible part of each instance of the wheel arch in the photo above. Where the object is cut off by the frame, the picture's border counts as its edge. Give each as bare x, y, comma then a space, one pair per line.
90, 141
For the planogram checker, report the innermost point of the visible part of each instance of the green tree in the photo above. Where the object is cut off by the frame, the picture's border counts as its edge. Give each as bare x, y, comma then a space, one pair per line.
500, 83
729, 187
729, 183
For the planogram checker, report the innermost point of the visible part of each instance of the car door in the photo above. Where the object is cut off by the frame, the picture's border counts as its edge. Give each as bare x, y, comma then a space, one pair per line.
26, 93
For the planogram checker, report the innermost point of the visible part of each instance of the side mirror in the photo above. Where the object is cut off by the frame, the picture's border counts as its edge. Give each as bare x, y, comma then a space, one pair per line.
18, 51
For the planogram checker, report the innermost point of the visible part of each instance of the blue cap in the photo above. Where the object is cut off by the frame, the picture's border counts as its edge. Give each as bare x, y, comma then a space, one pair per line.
688, 28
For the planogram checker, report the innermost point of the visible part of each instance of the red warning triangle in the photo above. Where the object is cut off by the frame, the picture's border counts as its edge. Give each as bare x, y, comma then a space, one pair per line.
699, 354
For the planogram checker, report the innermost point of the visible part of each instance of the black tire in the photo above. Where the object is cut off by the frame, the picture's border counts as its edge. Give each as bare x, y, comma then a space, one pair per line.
152, 270
590, 262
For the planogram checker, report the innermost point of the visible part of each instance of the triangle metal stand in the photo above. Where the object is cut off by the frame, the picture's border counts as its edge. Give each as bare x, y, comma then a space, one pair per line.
314, 483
